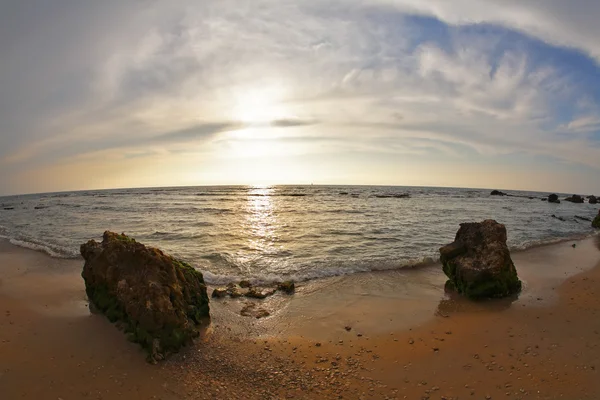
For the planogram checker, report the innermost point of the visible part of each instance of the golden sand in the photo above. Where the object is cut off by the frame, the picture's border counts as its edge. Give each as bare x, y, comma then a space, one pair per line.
406, 339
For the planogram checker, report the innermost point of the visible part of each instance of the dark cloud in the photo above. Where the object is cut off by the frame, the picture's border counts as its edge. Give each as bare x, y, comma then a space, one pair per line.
197, 132
283, 123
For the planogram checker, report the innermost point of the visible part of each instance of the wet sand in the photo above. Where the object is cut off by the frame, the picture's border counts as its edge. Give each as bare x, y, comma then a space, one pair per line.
406, 339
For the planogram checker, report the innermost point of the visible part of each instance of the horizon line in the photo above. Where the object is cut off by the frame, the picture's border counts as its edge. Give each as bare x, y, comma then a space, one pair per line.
275, 185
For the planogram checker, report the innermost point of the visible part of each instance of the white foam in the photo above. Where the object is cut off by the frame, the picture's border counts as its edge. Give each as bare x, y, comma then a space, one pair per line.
543, 242
63, 253
269, 278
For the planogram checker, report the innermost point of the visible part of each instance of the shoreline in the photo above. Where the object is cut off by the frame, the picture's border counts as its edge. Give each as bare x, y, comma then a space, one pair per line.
425, 262
47, 335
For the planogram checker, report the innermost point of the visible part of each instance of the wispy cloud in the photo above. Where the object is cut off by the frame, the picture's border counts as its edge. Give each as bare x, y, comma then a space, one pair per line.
434, 80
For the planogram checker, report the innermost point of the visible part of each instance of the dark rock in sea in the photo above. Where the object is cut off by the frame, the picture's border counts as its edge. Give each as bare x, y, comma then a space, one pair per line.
558, 218
478, 262
393, 196
344, 193
497, 193
9, 208
596, 221
245, 284
593, 199
575, 199
158, 300
583, 218
553, 198
287, 287
219, 293
544, 199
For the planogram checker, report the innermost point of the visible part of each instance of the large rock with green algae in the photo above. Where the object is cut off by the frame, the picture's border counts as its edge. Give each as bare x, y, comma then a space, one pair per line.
478, 262
596, 221
159, 301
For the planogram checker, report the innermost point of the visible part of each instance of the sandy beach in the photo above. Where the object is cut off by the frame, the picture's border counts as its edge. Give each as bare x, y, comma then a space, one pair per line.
375, 335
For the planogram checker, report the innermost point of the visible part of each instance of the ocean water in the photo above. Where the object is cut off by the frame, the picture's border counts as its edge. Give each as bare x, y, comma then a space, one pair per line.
285, 232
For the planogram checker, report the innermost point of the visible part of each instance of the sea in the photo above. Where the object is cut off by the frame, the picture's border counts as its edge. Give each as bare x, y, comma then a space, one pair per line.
273, 233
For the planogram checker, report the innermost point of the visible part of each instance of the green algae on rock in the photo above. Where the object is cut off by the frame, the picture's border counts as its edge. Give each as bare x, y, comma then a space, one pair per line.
596, 221
478, 262
159, 301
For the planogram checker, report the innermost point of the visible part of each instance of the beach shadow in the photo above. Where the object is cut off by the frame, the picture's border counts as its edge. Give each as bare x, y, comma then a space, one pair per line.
455, 303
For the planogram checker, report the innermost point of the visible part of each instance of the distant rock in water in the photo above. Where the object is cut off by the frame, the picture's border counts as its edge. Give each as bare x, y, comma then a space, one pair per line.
558, 218
497, 193
553, 198
159, 301
596, 221
478, 262
575, 199
393, 196
592, 199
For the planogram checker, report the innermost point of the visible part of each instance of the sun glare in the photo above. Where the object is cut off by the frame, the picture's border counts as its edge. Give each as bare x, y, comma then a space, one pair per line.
259, 106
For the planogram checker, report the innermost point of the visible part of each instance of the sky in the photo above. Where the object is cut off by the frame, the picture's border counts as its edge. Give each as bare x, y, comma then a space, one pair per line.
135, 93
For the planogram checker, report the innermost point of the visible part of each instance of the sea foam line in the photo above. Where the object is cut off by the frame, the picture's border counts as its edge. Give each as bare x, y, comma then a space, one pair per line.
55, 252
269, 278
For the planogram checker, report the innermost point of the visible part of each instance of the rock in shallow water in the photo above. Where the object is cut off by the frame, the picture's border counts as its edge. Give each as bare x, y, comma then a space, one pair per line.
251, 310
478, 262
219, 293
288, 287
575, 199
159, 301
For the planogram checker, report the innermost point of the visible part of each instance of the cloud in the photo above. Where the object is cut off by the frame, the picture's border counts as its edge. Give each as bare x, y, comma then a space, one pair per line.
571, 24
284, 123
196, 132
428, 79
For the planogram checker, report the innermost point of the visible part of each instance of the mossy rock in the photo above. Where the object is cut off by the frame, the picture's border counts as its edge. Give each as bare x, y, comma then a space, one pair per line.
478, 263
159, 301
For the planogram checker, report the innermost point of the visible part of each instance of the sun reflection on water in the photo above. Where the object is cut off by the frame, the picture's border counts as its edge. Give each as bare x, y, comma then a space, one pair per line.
261, 219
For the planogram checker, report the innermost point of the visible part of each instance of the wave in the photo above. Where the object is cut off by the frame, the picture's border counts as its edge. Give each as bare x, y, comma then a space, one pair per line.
214, 210
158, 233
548, 241
341, 270
51, 250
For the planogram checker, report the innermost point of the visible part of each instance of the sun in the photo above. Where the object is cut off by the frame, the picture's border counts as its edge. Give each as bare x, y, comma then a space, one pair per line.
259, 106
